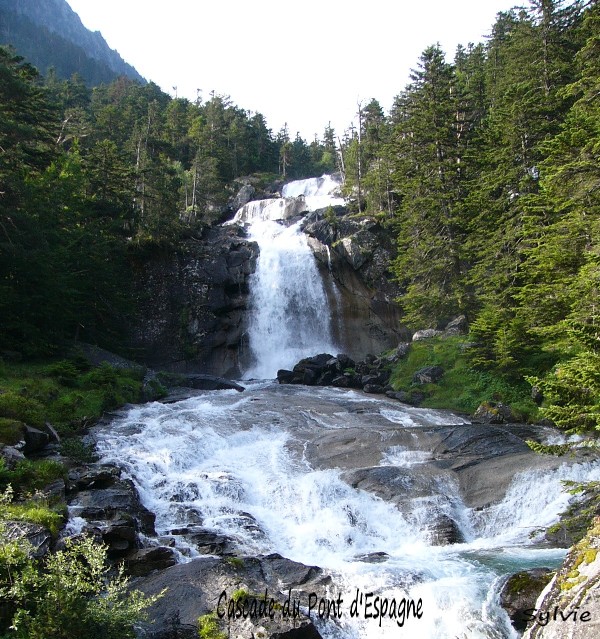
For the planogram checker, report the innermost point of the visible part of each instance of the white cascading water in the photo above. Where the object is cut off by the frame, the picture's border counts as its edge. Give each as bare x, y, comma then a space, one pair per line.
290, 314
235, 464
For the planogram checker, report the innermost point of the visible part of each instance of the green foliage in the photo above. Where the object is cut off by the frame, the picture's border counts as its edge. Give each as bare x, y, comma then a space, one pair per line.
91, 178
73, 595
23, 409
65, 393
35, 510
28, 476
572, 389
11, 431
208, 627
549, 449
65, 372
74, 448
461, 388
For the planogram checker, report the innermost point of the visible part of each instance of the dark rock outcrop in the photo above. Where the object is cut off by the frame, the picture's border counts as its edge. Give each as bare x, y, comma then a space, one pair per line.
36, 536
192, 303
371, 375
140, 563
357, 254
114, 513
194, 589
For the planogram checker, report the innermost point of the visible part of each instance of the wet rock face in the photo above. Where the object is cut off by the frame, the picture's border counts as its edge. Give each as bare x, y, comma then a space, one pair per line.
356, 254
110, 507
191, 303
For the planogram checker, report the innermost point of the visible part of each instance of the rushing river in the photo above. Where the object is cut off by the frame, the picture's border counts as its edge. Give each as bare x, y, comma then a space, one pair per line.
266, 469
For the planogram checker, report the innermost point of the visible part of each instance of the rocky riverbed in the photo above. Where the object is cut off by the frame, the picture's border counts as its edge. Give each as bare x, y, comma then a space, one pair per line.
334, 494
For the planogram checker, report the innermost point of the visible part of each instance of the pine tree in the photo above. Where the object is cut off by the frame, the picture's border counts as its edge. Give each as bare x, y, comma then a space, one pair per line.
426, 179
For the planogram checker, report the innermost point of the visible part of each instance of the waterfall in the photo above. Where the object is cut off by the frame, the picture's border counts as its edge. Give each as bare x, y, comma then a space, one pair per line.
290, 314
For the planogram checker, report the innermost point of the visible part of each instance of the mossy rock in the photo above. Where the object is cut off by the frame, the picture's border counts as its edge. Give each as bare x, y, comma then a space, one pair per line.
520, 593
577, 519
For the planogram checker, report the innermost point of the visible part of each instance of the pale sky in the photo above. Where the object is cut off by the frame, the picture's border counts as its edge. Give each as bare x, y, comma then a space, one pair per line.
306, 63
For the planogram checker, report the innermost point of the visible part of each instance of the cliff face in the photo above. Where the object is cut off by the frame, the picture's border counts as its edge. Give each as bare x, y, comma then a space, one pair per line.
49, 33
356, 254
192, 304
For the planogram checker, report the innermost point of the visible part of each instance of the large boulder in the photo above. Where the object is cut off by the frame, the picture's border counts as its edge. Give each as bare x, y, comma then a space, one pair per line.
494, 413
11, 456
35, 439
243, 196
457, 326
196, 589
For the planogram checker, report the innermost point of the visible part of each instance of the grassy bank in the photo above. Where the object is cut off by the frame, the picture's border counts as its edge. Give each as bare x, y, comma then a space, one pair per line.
461, 388
70, 394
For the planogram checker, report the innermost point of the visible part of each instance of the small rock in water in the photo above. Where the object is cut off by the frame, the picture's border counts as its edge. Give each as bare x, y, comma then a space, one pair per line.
373, 558
444, 531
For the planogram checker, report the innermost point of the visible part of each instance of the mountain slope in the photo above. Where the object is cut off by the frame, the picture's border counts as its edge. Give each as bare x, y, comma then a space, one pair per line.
50, 34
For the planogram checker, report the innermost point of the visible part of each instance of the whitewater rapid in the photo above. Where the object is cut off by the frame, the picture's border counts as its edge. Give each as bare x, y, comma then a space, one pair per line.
240, 466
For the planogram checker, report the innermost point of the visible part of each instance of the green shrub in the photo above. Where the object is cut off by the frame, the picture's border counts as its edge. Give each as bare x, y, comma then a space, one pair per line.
24, 409
65, 371
71, 596
208, 627
35, 511
75, 448
461, 388
28, 476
